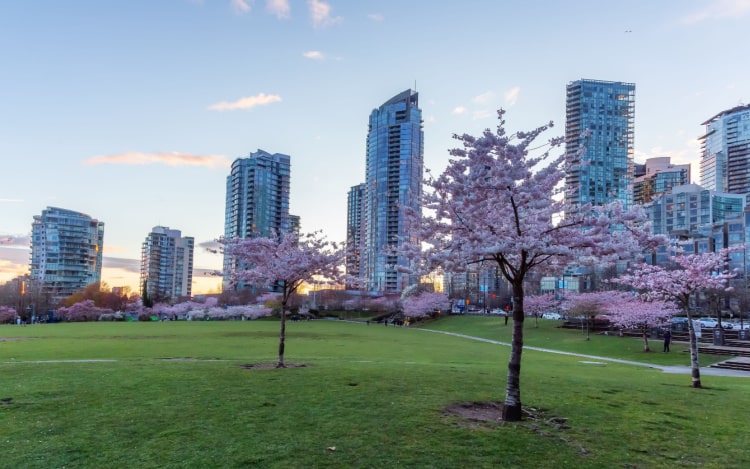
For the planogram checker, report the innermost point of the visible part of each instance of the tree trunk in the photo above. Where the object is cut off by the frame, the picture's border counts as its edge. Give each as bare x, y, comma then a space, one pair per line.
282, 336
645, 340
695, 368
512, 407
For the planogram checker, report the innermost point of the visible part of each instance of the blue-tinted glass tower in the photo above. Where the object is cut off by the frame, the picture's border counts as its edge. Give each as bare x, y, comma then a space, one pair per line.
605, 171
725, 159
394, 169
257, 199
354, 231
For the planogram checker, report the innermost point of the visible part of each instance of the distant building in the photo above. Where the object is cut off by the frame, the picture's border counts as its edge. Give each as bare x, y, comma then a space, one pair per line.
604, 173
394, 170
657, 176
166, 265
354, 231
66, 251
725, 151
257, 199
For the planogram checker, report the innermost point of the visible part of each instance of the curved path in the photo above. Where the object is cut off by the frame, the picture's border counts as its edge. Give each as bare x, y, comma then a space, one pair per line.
708, 371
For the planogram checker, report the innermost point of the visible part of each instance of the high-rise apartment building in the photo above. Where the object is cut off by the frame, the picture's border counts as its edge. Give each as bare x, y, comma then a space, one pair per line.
257, 199
394, 169
354, 230
725, 158
657, 176
606, 111
166, 265
66, 251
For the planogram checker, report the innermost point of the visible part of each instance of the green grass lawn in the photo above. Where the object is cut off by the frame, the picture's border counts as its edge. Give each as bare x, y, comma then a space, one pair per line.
176, 394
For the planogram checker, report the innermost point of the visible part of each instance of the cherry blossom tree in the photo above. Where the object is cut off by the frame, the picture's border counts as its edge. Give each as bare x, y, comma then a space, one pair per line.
692, 274
540, 304
82, 311
637, 313
285, 262
498, 203
424, 304
7, 314
588, 305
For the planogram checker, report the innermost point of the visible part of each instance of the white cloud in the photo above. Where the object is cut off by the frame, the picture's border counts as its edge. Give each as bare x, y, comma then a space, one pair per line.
718, 10
459, 110
280, 8
166, 158
482, 114
240, 7
376, 16
320, 12
511, 96
484, 98
10, 201
15, 240
430, 119
314, 55
247, 102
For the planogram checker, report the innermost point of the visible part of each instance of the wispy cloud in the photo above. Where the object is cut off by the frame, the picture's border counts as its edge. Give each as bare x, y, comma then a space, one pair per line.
240, 7
482, 114
314, 55
484, 98
128, 265
213, 246
718, 10
247, 102
7, 240
376, 16
459, 110
280, 8
320, 13
166, 158
14, 262
10, 201
511, 96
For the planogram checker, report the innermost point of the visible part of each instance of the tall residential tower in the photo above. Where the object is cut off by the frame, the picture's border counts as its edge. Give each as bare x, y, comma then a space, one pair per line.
257, 199
394, 168
725, 158
166, 265
66, 251
604, 173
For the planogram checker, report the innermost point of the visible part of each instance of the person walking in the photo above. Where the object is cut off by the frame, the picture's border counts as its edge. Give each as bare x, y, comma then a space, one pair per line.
667, 339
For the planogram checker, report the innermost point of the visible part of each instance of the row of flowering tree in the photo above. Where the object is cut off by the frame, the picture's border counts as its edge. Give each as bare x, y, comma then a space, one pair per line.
7, 314
498, 203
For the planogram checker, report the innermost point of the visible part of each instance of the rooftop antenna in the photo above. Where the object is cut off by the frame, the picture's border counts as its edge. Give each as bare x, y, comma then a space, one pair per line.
415, 85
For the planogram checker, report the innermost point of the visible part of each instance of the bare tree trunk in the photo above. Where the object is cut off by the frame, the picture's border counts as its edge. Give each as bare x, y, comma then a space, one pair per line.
282, 336
695, 368
645, 340
512, 407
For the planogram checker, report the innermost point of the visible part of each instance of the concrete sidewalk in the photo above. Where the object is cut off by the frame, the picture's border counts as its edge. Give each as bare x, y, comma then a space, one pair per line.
708, 371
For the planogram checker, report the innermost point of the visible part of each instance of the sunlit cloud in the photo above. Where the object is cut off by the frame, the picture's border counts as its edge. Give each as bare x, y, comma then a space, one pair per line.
109, 249
247, 102
376, 16
718, 10
240, 7
7, 240
320, 13
459, 110
484, 98
14, 262
511, 96
314, 55
121, 263
165, 158
10, 201
280, 8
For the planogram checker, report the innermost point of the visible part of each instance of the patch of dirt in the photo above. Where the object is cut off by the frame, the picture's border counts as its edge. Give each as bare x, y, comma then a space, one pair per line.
8, 339
484, 415
271, 366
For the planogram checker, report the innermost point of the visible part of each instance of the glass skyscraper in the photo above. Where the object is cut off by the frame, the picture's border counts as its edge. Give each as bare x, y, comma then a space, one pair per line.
725, 158
394, 169
257, 199
66, 251
604, 173
354, 235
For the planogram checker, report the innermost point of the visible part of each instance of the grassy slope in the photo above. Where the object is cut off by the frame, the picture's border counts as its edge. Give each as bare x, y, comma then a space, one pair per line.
375, 393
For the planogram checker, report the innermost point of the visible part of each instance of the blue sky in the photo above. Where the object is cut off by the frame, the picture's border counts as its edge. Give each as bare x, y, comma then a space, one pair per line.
132, 111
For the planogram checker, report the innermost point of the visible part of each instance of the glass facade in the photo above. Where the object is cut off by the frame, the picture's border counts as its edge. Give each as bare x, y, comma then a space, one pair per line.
354, 235
604, 173
725, 157
394, 170
257, 199
66, 251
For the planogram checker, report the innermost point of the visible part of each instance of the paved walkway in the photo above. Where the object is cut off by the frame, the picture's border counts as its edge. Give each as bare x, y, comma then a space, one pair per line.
708, 371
